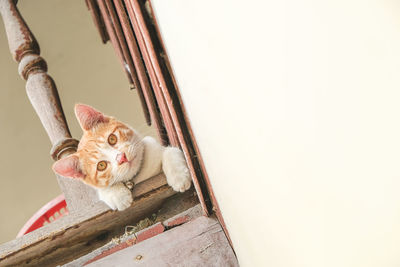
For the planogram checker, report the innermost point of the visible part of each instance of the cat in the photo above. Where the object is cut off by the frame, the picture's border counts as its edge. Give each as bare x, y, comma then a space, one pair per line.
111, 153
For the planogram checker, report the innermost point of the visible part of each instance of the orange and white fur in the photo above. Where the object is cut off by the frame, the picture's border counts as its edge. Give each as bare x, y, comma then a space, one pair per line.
111, 153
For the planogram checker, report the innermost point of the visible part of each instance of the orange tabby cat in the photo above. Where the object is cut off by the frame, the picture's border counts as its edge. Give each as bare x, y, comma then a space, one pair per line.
111, 153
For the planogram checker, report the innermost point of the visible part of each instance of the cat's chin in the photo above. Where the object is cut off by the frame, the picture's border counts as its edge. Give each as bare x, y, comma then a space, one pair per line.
132, 167
132, 171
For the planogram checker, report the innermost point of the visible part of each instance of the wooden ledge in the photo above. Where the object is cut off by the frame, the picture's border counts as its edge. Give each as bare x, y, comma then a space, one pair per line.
85, 230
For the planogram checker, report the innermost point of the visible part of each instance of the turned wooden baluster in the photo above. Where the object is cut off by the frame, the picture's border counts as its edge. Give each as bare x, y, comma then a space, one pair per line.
43, 94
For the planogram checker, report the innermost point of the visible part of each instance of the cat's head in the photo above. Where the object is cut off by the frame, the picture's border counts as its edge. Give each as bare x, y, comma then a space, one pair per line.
108, 152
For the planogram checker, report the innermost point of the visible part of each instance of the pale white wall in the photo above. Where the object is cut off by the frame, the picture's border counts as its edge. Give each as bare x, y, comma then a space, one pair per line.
296, 108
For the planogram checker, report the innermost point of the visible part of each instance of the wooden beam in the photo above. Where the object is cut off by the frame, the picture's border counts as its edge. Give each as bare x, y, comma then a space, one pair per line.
156, 84
85, 230
98, 20
179, 208
128, 57
118, 41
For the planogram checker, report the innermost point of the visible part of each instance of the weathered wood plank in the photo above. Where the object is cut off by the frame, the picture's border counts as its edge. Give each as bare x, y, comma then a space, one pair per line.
113, 38
83, 231
200, 242
98, 20
181, 205
137, 28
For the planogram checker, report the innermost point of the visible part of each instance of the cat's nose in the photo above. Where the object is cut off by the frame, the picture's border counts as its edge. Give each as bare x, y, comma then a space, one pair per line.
121, 158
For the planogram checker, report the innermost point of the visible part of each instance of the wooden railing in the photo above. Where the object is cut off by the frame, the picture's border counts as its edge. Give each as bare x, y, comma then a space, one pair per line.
43, 94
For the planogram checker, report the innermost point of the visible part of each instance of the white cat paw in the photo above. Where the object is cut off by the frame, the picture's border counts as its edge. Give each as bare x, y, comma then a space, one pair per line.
117, 197
180, 182
124, 201
175, 169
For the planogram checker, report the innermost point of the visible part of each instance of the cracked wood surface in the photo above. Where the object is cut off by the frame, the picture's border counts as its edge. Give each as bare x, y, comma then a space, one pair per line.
178, 206
200, 242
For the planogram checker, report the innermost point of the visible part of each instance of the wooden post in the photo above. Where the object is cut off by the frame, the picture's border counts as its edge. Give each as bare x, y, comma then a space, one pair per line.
43, 94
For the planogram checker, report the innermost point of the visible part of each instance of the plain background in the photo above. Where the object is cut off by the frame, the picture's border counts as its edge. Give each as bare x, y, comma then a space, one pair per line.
85, 71
295, 105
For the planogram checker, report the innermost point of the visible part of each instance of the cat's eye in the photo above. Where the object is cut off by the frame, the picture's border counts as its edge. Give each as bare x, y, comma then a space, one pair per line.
112, 139
102, 165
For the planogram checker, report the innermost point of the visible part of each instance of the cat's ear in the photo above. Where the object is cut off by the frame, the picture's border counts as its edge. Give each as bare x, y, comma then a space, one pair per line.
69, 167
89, 117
